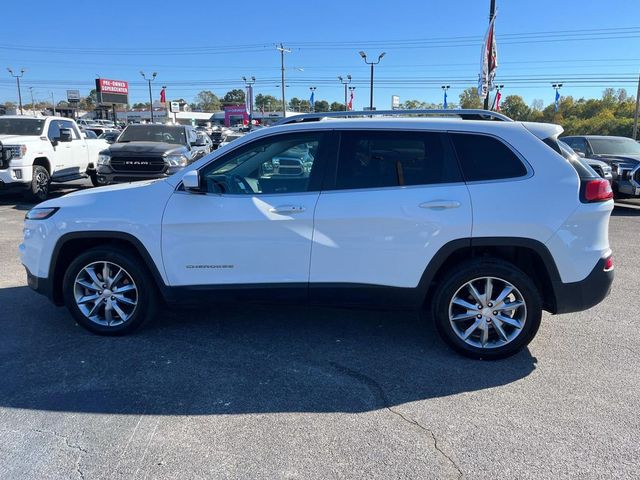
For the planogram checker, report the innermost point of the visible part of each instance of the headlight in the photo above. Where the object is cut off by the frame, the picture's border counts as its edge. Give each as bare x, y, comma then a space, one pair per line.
40, 213
177, 160
17, 151
104, 159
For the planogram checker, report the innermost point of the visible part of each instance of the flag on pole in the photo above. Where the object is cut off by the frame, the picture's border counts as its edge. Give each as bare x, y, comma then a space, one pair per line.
312, 99
498, 97
163, 96
350, 104
488, 62
557, 102
444, 105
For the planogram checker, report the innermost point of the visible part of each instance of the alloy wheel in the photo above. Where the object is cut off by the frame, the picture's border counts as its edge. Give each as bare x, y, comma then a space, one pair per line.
105, 293
487, 312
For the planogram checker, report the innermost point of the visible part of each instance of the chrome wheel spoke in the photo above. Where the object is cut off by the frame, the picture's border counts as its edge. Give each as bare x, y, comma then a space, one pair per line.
484, 333
119, 311
464, 304
464, 316
88, 298
93, 275
88, 286
509, 306
124, 288
488, 290
474, 293
467, 333
114, 280
506, 291
497, 324
509, 321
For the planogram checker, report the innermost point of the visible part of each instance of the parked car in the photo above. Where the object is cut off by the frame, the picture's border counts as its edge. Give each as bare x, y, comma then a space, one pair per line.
110, 136
230, 138
218, 135
203, 144
477, 222
149, 151
598, 166
622, 154
88, 134
37, 151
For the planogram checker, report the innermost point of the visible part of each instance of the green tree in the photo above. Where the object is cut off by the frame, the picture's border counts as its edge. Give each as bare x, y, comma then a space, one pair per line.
207, 101
321, 106
267, 102
337, 107
469, 98
514, 106
233, 97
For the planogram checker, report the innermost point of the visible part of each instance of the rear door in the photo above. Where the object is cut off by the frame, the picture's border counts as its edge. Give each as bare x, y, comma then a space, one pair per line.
395, 199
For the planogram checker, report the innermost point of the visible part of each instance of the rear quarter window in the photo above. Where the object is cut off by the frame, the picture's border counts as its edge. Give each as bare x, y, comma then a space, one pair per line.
486, 158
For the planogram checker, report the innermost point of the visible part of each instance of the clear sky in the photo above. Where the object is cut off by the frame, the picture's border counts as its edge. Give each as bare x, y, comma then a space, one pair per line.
585, 44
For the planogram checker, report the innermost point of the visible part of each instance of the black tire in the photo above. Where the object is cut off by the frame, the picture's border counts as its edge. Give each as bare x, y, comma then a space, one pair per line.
93, 176
146, 292
38, 190
452, 284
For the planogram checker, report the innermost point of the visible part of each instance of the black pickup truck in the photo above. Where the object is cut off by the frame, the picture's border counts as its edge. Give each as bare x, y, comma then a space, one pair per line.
144, 152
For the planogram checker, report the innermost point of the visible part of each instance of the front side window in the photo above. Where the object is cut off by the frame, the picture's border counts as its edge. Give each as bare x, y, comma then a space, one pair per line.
578, 144
486, 158
374, 159
280, 164
68, 124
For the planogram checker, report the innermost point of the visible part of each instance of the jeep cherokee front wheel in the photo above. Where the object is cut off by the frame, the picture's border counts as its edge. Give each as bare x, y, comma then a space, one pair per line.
108, 292
487, 309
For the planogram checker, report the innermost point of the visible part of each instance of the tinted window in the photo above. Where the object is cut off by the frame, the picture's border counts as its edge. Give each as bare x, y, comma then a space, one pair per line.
486, 158
279, 164
391, 159
54, 130
154, 133
615, 146
21, 126
68, 124
578, 144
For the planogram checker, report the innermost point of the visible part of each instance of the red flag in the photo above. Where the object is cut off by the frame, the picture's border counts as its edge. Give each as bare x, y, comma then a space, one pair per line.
498, 97
350, 104
163, 96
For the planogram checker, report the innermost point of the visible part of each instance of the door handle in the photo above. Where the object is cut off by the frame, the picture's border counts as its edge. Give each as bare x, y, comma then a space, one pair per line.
440, 204
283, 209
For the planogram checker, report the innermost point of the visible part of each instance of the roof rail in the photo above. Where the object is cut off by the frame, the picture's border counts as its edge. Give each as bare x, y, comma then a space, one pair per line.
464, 114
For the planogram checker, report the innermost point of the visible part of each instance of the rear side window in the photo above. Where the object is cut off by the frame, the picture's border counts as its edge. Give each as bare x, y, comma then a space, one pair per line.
372, 159
486, 158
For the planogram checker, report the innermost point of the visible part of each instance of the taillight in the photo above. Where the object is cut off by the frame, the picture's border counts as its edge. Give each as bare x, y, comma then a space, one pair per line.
608, 264
597, 190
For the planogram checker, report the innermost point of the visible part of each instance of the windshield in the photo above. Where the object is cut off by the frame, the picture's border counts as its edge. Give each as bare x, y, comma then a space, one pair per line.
21, 126
614, 146
153, 133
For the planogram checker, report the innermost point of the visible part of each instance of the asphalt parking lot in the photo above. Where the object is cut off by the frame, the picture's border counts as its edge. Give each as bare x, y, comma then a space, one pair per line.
259, 392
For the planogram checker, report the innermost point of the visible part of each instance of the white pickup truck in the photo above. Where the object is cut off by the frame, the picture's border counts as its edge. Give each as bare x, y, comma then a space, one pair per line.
35, 151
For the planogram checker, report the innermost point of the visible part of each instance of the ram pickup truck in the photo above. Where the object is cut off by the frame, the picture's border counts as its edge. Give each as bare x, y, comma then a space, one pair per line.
145, 152
37, 151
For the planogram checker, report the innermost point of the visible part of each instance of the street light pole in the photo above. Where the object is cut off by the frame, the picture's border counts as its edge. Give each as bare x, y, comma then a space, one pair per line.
364, 57
249, 100
492, 13
149, 80
282, 51
17, 77
345, 83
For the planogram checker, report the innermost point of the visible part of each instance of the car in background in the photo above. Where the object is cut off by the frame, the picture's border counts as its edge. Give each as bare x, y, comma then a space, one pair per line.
88, 134
230, 138
601, 168
203, 144
148, 151
110, 136
622, 154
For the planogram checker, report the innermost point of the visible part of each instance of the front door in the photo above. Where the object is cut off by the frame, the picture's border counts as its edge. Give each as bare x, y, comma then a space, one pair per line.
253, 224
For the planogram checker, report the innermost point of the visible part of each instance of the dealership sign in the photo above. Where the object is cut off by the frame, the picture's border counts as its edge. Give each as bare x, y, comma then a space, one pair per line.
73, 96
112, 91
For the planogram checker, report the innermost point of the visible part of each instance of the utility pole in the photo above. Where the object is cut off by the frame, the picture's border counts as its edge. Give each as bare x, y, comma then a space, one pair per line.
248, 83
364, 57
33, 104
492, 12
345, 83
635, 116
282, 51
18, 77
149, 80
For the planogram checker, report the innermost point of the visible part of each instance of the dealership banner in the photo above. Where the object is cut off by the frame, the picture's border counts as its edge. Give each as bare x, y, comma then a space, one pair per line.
112, 91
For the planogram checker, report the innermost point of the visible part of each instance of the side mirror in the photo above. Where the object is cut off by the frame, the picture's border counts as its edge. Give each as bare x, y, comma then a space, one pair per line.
581, 154
65, 135
191, 181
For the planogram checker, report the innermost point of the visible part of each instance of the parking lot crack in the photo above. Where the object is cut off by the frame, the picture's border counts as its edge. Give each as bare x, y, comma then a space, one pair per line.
383, 402
81, 450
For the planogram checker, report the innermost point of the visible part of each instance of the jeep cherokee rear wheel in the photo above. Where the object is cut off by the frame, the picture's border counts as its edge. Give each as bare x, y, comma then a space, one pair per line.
107, 292
487, 309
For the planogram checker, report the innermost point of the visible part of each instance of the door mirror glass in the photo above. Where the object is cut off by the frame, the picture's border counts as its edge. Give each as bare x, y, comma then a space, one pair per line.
191, 181
580, 154
65, 135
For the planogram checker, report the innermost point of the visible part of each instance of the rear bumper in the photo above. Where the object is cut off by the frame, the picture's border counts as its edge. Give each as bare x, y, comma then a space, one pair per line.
582, 295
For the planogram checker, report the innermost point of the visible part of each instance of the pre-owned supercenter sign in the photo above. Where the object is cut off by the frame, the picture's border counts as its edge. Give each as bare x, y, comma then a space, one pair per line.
112, 91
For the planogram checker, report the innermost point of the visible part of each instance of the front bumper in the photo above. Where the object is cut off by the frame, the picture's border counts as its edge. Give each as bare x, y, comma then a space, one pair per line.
582, 295
41, 285
107, 175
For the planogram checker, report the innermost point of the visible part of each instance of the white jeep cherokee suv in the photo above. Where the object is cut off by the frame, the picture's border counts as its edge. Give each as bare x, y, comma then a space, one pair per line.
482, 223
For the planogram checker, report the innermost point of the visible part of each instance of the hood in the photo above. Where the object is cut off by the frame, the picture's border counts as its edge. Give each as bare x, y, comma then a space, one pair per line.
141, 148
16, 139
